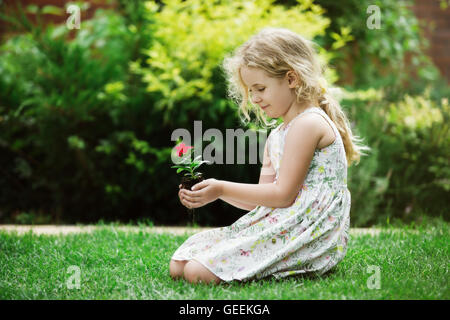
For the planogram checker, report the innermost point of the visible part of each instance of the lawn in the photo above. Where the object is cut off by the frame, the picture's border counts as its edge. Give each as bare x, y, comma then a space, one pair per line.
412, 264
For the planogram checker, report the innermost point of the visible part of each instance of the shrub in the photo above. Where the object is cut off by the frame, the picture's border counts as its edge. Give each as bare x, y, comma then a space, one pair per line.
57, 104
86, 117
86, 121
417, 142
392, 57
405, 174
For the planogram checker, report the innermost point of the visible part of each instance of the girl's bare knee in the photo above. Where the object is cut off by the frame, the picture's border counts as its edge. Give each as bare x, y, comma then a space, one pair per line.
195, 272
176, 268
191, 272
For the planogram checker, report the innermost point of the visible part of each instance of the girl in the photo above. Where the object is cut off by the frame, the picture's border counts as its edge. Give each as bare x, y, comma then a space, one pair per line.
298, 217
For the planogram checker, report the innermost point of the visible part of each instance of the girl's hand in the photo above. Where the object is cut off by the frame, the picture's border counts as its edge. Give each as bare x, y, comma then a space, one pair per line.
204, 192
182, 199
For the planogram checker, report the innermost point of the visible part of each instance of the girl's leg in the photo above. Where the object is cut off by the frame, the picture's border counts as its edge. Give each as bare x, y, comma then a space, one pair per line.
176, 268
194, 272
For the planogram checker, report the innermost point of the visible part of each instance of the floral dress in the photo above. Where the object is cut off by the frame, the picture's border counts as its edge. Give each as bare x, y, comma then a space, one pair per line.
310, 236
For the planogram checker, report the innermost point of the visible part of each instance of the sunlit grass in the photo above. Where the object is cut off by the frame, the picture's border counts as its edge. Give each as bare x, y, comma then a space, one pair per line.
134, 265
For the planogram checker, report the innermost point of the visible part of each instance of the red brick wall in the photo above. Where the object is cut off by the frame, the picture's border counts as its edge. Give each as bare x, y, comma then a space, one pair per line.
84, 14
436, 22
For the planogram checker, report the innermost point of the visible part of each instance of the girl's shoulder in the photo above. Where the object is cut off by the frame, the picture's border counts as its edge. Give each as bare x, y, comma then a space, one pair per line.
317, 118
300, 118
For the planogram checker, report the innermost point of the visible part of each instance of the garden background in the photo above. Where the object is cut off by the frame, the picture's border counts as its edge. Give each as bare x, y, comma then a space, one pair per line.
86, 115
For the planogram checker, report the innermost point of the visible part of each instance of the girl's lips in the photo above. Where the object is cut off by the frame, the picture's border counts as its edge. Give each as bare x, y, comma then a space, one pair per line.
265, 107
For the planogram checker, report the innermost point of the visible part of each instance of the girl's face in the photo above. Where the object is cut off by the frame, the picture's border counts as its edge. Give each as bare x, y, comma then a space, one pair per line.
274, 96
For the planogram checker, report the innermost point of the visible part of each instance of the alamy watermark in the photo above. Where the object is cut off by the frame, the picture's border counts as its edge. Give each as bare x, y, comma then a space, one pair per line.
74, 280
374, 20
374, 281
73, 22
221, 149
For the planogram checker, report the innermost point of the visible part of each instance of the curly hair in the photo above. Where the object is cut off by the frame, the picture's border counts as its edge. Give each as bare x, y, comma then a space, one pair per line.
277, 51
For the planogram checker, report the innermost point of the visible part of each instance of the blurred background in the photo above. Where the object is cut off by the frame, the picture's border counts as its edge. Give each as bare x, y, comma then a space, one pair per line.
86, 115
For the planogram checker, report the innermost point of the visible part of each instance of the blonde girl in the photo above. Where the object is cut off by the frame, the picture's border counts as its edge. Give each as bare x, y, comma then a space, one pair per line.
299, 212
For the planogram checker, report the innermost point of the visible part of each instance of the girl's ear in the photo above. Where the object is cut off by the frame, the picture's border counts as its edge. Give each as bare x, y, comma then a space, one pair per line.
292, 79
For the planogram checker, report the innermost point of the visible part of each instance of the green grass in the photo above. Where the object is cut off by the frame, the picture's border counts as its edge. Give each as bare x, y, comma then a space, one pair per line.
126, 265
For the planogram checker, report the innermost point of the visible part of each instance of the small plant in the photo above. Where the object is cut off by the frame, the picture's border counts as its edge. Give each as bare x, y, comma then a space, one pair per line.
191, 177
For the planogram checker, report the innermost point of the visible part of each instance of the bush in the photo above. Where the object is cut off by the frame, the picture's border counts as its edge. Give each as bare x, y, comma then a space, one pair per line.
87, 121
61, 98
392, 57
417, 142
405, 174
86, 117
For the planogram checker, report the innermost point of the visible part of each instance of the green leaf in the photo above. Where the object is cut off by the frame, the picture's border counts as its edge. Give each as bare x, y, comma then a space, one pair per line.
181, 170
52, 10
177, 166
32, 8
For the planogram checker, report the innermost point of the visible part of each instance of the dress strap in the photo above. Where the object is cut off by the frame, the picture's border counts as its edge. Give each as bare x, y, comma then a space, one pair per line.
301, 113
316, 110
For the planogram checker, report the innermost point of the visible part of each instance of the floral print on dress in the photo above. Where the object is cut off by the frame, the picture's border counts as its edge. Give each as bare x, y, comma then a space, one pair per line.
310, 236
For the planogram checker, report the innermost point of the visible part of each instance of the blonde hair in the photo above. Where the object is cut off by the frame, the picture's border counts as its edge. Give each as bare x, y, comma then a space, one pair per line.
277, 51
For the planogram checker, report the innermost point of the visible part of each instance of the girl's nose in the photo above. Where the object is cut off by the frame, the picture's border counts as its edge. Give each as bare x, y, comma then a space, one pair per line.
256, 99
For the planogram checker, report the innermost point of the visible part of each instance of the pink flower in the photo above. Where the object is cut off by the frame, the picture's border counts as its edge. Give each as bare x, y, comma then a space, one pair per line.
245, 253
182, 149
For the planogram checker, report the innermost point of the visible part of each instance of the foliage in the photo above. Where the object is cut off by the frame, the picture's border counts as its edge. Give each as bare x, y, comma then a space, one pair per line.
64, 115
417, 142
186, 164
392, 57
85, 115
192, 39
405, 175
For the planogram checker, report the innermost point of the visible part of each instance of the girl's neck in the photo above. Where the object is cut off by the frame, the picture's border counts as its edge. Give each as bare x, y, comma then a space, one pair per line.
294, 111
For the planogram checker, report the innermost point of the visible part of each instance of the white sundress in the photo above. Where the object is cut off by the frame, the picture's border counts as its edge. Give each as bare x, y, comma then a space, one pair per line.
310, 236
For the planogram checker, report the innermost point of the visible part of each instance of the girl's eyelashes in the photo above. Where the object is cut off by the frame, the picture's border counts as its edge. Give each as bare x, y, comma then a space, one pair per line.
260, 90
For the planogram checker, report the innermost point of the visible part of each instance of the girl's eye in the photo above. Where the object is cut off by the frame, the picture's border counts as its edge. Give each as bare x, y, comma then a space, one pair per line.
260, 90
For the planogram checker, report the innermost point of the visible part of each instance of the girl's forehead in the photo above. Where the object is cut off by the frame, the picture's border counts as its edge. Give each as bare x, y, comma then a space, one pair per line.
252, 76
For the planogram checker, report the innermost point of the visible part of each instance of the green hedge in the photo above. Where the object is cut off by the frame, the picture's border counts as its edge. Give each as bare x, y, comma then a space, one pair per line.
86, 116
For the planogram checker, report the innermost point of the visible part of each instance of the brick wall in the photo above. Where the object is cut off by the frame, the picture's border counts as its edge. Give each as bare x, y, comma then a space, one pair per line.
436, 22
84, 14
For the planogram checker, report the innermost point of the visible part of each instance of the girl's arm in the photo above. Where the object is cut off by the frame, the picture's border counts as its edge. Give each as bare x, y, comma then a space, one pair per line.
267, 194
267, 175
300, 145
240, 205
